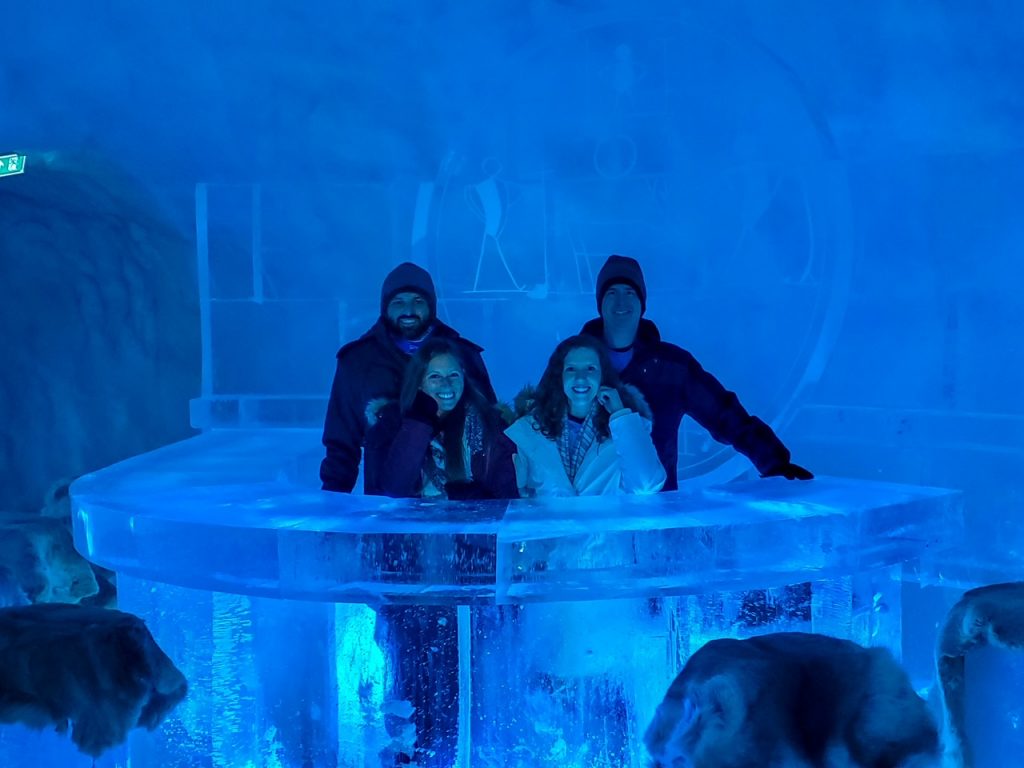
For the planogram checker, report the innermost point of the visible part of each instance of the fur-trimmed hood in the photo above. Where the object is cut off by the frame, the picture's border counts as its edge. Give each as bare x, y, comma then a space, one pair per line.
376, 407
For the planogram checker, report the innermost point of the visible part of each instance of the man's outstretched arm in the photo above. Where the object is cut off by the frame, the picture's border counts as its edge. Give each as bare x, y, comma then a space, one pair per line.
720, 412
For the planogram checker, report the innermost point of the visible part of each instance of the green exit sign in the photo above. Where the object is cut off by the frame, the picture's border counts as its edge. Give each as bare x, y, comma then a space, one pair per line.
12, 164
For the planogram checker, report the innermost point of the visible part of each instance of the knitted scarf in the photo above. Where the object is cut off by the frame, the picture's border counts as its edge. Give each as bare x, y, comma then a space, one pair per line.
574, 442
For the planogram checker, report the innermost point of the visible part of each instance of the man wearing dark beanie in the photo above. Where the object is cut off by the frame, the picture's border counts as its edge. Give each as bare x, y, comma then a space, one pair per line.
672, 380
371, 367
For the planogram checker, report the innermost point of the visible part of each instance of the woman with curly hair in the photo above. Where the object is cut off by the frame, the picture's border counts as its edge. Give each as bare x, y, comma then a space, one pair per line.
584, 432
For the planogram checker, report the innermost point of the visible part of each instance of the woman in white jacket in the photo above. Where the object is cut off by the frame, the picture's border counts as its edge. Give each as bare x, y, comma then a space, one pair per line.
584, 433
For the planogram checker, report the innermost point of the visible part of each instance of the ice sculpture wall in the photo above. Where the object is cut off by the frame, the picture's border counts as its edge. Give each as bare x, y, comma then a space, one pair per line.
98, 325
825, 202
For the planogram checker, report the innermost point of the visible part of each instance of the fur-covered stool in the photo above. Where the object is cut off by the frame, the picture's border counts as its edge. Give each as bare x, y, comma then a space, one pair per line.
791, 699
98, 670
980, 659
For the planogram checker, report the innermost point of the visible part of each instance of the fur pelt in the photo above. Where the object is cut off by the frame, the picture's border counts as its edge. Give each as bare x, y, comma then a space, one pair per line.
791, 700
991, 615
374, 408
41, 559
99, 670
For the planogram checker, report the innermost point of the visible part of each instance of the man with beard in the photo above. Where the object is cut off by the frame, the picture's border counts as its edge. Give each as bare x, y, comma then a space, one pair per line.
371, 367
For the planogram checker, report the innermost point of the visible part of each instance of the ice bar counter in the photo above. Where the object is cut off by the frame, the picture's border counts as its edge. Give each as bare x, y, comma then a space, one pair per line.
549, 629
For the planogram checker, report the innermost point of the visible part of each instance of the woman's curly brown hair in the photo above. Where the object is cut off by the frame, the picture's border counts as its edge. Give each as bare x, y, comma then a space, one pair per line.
550, 405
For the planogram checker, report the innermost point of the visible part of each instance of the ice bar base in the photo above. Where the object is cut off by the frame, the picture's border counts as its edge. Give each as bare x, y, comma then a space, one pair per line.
295, 683
550, 628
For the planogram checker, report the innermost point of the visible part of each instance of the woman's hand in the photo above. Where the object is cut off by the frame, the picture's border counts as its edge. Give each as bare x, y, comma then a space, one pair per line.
610, 399
425, 408
433, 399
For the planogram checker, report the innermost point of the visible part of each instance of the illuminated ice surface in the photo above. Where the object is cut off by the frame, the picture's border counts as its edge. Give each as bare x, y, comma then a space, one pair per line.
827, 213
273, 598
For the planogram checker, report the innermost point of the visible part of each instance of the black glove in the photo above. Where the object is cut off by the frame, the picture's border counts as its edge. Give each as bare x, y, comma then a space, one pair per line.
790, 471
424, 409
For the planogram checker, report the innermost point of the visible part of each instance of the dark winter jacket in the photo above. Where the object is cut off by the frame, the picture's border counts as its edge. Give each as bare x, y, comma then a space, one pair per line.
675, 385
395, 452
397, 446
370, 368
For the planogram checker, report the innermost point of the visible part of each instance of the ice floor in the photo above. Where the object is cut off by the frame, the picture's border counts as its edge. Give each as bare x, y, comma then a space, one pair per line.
534, 633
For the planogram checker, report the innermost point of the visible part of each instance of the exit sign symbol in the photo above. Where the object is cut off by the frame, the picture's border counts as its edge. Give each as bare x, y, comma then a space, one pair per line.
12, 164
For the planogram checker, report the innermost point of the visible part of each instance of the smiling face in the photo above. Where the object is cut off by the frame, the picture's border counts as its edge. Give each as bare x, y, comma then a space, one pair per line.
408, 314
621, 310
444, 381
581, 379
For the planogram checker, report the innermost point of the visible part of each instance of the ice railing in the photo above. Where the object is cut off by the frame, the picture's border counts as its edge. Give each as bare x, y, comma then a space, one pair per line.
239, 511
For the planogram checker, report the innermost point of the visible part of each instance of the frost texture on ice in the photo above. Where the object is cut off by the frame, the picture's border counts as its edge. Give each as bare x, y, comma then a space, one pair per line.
237, 511
567, 634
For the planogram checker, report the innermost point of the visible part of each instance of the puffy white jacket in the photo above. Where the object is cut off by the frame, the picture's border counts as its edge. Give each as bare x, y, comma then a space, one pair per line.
625, 463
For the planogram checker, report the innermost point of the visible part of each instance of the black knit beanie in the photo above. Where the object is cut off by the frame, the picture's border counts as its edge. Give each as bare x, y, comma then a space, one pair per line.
408, 277
621, 269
